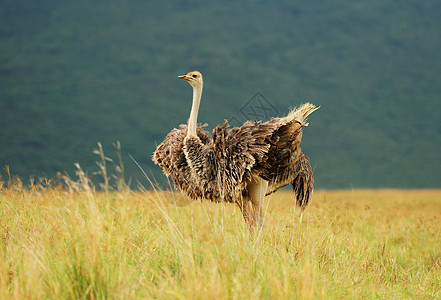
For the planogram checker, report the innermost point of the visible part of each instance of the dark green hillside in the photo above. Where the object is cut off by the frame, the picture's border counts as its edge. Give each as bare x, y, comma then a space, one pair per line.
75, 73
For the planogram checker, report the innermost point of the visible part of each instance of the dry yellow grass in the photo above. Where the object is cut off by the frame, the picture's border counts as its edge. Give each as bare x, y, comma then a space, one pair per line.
133, 245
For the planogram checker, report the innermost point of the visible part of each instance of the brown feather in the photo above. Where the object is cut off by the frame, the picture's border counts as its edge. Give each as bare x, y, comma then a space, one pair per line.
215, 169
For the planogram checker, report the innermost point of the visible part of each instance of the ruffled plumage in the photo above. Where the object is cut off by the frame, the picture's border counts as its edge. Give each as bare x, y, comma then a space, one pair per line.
219, 169
216, 169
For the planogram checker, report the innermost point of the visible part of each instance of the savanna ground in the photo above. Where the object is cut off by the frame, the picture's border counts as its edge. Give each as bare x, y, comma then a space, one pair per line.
57, 244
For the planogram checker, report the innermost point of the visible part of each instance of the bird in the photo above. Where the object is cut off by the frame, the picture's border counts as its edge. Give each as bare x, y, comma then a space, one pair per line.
240, 165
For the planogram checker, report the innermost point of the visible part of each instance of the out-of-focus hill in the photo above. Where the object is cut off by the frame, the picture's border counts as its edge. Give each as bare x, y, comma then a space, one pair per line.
75, 73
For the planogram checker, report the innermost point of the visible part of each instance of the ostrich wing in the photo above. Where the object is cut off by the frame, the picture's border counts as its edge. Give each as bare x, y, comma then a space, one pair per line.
285, 163
284, 151
169, 155
303, 181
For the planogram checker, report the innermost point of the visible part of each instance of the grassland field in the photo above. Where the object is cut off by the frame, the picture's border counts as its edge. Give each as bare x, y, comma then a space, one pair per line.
354, 244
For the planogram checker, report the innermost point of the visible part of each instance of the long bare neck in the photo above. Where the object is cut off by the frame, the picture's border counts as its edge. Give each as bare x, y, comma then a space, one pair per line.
192, 121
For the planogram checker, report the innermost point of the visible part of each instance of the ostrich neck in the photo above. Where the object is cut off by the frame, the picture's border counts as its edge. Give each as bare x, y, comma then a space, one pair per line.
192, 121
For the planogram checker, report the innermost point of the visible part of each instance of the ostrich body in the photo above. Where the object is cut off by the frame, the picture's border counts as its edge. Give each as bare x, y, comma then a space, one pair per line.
239, 165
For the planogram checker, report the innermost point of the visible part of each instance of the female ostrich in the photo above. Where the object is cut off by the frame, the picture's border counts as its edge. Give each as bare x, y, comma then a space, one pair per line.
239, 165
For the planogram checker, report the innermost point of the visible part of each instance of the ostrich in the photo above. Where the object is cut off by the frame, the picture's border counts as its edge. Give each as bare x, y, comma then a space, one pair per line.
240, 165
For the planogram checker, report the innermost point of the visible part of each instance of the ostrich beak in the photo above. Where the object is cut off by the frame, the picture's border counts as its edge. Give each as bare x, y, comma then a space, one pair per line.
183, 76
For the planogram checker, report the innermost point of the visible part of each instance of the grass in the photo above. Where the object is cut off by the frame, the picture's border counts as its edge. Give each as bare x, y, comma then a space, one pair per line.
133, 245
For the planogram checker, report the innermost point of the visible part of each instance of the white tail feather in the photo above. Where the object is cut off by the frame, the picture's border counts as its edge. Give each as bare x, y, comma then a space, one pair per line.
300, 114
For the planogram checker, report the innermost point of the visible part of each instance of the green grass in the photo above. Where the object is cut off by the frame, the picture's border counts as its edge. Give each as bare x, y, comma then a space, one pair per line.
134, 245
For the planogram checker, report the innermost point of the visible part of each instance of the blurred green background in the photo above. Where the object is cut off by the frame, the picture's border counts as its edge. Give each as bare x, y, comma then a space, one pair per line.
73, 73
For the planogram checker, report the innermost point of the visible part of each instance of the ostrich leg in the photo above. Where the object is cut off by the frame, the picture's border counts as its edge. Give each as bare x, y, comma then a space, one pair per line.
247, 211
256, 193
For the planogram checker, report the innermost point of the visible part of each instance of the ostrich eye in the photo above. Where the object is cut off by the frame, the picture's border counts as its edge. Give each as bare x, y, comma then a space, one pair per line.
194, 75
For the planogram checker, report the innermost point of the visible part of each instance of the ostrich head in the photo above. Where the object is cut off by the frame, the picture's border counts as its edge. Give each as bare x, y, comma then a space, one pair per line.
194, 78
